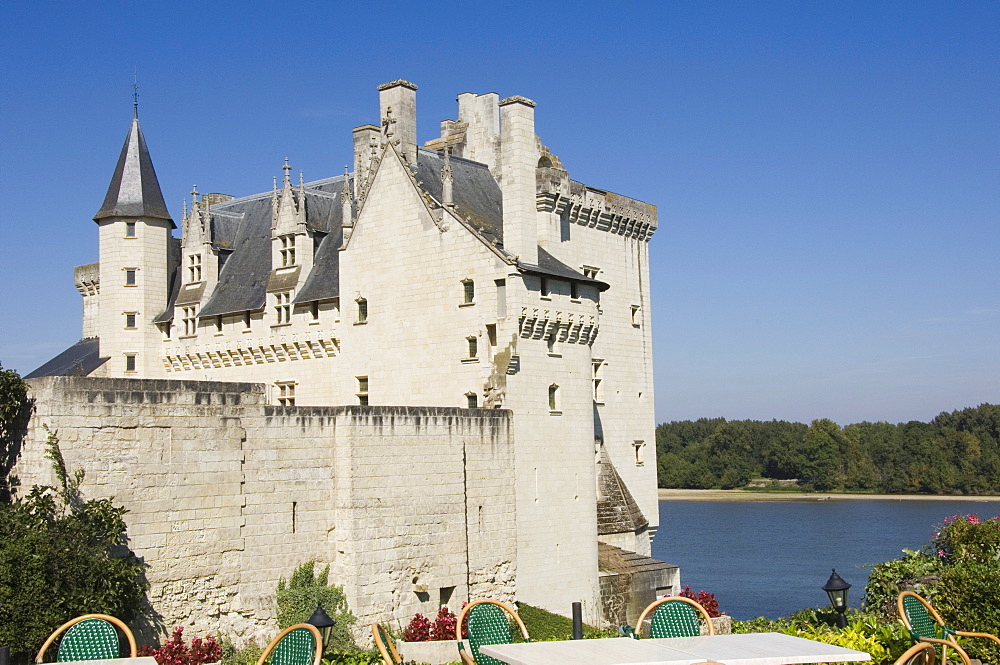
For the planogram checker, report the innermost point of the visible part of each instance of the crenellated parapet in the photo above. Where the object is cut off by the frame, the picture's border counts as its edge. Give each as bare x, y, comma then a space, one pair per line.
567, 327
598, 209
280, 348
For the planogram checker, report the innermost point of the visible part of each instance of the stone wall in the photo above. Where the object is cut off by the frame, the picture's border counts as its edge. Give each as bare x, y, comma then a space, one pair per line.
410, 506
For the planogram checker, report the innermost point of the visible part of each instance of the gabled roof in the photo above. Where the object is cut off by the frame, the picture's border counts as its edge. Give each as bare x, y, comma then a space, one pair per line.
78, 360
134, 190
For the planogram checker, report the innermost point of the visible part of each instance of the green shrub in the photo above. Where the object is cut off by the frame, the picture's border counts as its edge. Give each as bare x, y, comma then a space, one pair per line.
967, 538
543, 625
62, 556
914, 571
968, 600
248, 655
298, 598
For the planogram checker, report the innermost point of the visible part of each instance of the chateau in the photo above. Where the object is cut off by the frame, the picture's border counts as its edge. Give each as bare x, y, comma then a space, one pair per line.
433, 373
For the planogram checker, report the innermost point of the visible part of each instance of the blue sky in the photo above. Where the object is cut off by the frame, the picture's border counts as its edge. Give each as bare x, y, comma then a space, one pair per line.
827, 173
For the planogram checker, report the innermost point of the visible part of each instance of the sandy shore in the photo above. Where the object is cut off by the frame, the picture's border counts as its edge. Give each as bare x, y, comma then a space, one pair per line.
741, 495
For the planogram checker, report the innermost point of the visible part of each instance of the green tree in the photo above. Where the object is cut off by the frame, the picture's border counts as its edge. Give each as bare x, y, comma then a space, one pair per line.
298, 598
821, 448
15, 409
62, 556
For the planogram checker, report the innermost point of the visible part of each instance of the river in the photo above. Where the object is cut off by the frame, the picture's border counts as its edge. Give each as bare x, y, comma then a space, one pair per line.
767, 558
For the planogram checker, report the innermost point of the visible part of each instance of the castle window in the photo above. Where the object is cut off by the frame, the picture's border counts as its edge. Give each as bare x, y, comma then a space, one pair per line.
314, 310
218, 324
574, 290
130, 320
130, 362
283, 307
590, 272
544, 289
130, 276
636, 315
166, 328
246, 320
286, 393
472, 400
194, 268
469, 292
189, 320
362, 390
473, 346
550, 343
129, 229
639, 446
554, 400
362, 310
597, 364
287, 251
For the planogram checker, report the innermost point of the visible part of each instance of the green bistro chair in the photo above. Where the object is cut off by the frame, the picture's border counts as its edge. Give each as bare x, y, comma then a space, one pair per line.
385, 646
674, 616
918, 654
300, 644
488, 622
88, 637
926, 625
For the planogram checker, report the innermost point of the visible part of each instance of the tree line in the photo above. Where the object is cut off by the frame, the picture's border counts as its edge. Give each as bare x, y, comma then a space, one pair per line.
955, 453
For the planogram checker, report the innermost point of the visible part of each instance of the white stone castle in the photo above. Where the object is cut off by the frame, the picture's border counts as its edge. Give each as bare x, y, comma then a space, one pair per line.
433, 373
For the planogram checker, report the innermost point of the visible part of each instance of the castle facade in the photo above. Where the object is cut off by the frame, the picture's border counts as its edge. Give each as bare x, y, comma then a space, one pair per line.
433, 373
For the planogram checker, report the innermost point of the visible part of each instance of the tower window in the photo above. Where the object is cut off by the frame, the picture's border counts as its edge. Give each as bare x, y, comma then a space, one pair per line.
544, 289
574, 290
246, 320
362, 390
287, 251
218, 324
554, 400
597, 364
314, 310
550, 343
469, 292
130, 320
636, 315
130, 362
472, 400
130, 276
639, 446
129, 229
473, 346
286, 393
283, 307
362, 310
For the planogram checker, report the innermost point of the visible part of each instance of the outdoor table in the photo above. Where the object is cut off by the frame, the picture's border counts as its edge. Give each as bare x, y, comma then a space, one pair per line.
748, 649
138, 660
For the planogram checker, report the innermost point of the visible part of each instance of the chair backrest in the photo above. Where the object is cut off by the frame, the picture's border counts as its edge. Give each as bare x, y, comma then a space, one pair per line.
919, 617
918, 654
300, 644
675, 616
385, 646
88, 637
488, 622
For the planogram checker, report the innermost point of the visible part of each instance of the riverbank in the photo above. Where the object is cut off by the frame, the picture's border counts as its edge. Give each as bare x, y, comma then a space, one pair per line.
743, 495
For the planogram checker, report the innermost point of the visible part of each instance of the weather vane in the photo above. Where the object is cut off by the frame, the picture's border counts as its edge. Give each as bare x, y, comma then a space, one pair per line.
135, 93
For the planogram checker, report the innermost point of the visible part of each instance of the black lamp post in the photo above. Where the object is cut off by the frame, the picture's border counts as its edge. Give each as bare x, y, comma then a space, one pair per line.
322, 621
836, 588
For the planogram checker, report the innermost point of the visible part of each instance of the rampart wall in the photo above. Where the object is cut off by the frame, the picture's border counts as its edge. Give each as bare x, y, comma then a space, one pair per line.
410, 506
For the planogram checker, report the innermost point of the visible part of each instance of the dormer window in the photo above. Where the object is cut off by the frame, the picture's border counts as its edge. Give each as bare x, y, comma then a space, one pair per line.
468, 292
287, 251
194, 268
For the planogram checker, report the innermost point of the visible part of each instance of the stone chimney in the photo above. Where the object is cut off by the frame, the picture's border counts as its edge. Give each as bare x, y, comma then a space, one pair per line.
518, 161
397, 102
483, 118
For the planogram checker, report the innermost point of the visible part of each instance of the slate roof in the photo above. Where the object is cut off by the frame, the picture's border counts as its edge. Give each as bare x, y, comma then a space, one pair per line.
78, 360
617, 511
629, 563
134, 190
241, 230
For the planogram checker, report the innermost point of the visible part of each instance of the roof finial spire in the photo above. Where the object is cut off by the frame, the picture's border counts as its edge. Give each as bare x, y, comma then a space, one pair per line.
135, 93
286, 168
194, 195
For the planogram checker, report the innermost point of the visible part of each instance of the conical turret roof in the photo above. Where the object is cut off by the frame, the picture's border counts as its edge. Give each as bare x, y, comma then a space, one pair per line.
134, 190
